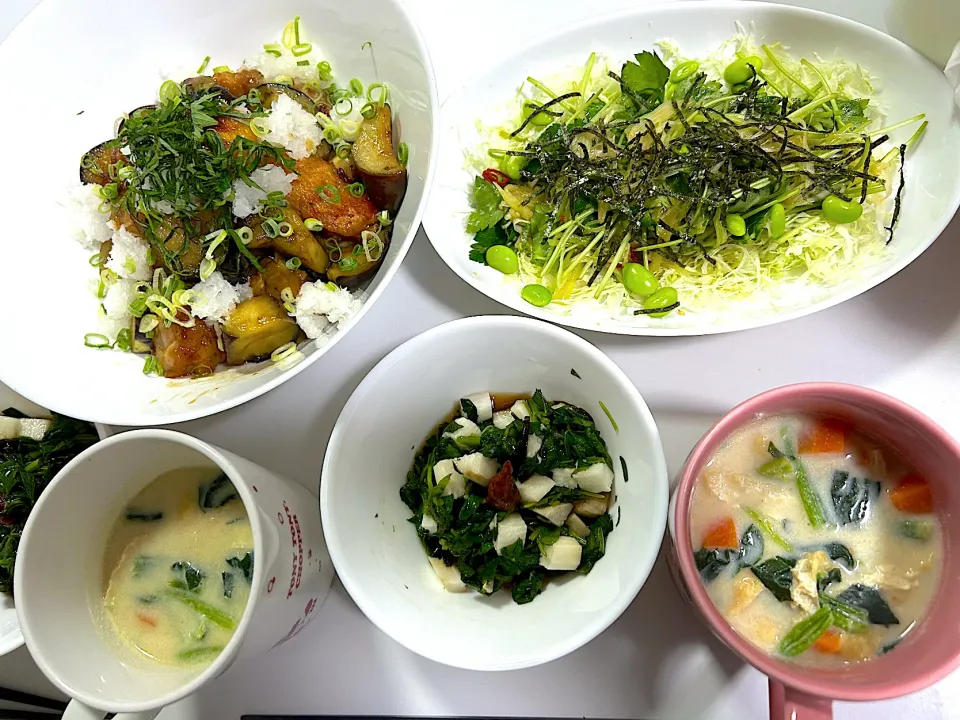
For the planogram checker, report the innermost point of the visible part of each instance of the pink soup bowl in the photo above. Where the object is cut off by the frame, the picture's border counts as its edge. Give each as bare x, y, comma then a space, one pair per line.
929, 651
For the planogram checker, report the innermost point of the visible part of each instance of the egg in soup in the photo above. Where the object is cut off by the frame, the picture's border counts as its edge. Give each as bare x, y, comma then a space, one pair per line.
816, 543
178, 567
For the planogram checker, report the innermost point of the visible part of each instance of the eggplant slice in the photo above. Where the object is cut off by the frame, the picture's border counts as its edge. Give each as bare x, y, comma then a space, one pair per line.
377, 161
269, 92
95, 163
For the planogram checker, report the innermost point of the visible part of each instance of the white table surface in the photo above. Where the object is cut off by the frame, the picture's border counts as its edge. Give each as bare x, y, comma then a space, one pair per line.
657, 660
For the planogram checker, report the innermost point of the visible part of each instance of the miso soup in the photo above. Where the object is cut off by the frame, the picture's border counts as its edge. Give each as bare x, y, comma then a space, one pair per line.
816, 543
179, 567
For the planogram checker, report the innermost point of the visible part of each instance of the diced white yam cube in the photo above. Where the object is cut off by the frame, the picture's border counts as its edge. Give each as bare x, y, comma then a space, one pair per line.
577, 526
563, 477
535, 487
467, 428
476, 467
596, 478
520, 410
484, 405
564, 554
428, 524
534, 443
592, 507
557, 514
509, 530
456, 485
34, 428
9, 428
442, 469
449, 575
502, 419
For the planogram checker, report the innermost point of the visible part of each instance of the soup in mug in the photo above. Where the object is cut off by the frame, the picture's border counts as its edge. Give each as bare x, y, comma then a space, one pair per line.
179, 567
814, 542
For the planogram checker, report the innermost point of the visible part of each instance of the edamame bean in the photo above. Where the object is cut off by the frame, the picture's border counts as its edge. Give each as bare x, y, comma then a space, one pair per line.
739, 71
504, 259
840, 211
638, 280
664, 297
736, 224
541, 119
512, 165
684, 70
536, 295
778, 220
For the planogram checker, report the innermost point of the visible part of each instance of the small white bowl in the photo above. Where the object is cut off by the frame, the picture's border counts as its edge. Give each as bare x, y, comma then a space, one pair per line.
376, 551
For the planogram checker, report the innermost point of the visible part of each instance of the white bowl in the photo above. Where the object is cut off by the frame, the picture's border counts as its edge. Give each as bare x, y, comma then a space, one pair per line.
105, 59
377, 553
10, 635
910, 85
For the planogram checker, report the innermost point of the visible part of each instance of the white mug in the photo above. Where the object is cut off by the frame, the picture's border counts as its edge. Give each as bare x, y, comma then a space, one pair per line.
58, 575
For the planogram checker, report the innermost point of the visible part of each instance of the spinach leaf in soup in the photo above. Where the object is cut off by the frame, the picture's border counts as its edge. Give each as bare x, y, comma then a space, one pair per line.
217, 493
751, 547
775, 573
139, 515
825, 580
710, 563
852, 497
229, 583
841, 553
188, 577
870, 599
244, 565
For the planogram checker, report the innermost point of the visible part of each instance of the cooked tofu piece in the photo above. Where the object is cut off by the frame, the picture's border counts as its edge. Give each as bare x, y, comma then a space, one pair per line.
477, 468
449, 575
804, 589
502, 419
563, 477
182, 351
577, 526
746, 589
484, 405
509, 530
557, 514
564, 554
597, 478
535, 488
349, 217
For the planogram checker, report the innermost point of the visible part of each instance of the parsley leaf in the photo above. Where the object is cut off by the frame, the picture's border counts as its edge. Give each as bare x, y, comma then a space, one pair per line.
487, 238
646, 78
486, 206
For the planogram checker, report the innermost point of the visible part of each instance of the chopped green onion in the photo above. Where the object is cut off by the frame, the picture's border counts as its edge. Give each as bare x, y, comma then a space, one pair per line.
350, 130
138, 306
301, 49
368, 111
96, 340
291, 33
356, 189
260, 127
303, 63
203, 65
381, 99
284, 80
101, 290
332, 135
313, 225
95, 260
609, 416
123, 341
273, 49
344, 106
356, 87
325, 71
245, 234
283, 352
169, 91
127, 172
271, 228
329, 193
403, 153
348, 264
221, 68
384, 218
286, 295
108, 191
152, 367
217, 237
293, 263
285, 229
207, 266
344, 151
148, 323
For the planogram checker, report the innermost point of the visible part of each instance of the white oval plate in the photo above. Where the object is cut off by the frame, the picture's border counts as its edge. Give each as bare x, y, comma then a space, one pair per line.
911, 85
107, 58
10, 636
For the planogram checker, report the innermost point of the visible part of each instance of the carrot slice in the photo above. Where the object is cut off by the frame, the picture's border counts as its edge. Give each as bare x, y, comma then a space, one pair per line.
146, 620
723, 534
829, 642
912, 495
829, 436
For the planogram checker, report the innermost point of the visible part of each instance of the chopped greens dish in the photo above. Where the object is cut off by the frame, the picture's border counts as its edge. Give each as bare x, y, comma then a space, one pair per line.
510, 493
670, 184
241, 212
32, 451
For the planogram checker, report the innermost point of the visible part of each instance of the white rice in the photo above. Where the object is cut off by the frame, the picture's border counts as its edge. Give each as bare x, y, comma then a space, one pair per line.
128, 256
286, 65
216, 297
292, 127
319, 306
249, 200
90, 226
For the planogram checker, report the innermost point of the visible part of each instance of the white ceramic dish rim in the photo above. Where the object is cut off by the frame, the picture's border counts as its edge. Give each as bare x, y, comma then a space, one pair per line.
370, 608
515, 302
386, 276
